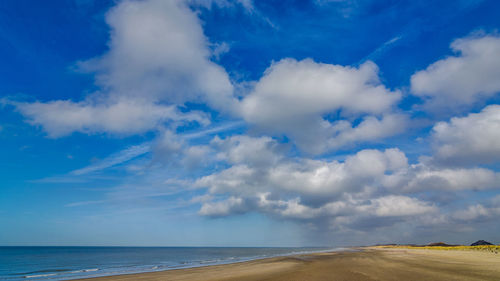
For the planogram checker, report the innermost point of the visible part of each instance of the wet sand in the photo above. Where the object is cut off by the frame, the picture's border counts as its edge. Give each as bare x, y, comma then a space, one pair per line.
368, 264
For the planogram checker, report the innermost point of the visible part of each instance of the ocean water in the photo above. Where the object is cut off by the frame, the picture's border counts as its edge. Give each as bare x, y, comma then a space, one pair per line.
64, 263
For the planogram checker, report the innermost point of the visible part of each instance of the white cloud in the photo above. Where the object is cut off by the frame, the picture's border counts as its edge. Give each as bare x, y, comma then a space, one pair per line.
158, 58
367, 185
287, 208
425, 178
231, 205
315, 182
347, 211
324, 180
220, 49
393, 205
168, 146
306, 88
294, 96
489, 210
459, 81
473, 139
261, 151
158, 51
370, 129
175, 151
196, 156
125, 117
472, 212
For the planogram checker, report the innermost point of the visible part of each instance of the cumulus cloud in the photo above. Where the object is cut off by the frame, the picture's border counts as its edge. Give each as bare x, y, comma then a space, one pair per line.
196, 156
459, 81
174, 150
231, 205
304, 189
474, 212
307, 88
490, 210
385, 206
157, 51
392, 208
393, 205
473, 139
158, 59
314, 179
294, 97
370, 184
263, 151
420, 177
171, 148
369, 129
168, 146
125, 117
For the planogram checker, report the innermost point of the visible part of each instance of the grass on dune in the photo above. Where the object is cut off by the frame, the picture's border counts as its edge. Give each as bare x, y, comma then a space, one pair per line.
487, 248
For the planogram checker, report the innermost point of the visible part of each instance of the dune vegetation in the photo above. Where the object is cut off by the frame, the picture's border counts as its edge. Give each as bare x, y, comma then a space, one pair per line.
488, 248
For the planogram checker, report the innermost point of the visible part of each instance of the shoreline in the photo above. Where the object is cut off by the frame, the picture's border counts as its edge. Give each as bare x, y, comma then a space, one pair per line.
217, 263
366, 263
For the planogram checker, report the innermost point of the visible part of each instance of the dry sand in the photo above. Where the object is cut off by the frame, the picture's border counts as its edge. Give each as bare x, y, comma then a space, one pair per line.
368, 264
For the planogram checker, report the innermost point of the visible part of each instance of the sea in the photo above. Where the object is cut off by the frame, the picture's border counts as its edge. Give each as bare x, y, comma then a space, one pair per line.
66, 263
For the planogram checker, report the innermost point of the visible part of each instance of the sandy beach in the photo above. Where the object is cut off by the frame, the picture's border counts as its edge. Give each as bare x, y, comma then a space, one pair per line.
366, 264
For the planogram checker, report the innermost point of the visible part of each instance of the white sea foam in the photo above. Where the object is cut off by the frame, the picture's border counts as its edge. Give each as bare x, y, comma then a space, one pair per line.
85, 270
40, 275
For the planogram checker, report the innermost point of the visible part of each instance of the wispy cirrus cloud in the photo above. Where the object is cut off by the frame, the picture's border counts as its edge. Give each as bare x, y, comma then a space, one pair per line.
115, 159
382, 48
130, 153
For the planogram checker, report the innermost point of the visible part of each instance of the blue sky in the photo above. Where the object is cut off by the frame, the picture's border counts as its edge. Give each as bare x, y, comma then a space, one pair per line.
249, 123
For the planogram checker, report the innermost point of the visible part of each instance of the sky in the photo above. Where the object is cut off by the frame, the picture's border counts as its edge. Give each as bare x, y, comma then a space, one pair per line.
249, 123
